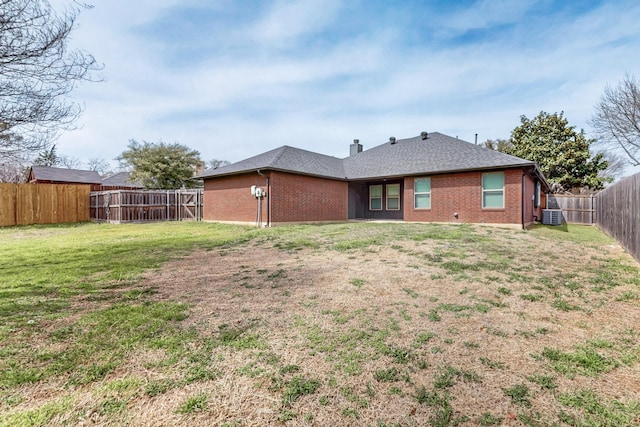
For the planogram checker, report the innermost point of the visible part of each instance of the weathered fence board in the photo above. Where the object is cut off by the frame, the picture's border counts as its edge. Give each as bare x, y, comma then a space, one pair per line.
8, 204
24, 204
576, 209
120, 206
618, 212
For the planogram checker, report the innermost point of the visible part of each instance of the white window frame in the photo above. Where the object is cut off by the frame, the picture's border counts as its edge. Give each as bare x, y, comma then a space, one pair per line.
371, 197
387, 197
421, 193
493, 190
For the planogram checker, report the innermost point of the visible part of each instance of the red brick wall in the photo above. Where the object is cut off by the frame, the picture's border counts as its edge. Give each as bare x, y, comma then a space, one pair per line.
462, 193
292, 198
300, 198
229, 198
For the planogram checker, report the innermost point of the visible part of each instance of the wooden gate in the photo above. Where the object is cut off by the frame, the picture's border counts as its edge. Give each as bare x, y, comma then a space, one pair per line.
118, 206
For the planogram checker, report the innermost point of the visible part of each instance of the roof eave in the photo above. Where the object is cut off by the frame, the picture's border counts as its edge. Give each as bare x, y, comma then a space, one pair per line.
255, 170
443, 171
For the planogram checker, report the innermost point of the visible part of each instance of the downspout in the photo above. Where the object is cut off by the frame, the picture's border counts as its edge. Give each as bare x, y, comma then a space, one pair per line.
268, 198
522, 199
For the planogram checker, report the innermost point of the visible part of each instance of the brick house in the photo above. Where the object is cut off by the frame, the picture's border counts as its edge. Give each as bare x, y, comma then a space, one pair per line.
428, 178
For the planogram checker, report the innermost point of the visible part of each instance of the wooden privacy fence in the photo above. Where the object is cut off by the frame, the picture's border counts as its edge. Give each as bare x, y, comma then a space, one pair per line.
120, 206
618, 212
24, 204
576, 209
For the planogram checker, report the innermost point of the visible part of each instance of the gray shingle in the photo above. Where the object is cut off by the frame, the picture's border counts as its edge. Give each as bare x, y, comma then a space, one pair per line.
120, 179
412, 156
287, 159
437, 154
46, 173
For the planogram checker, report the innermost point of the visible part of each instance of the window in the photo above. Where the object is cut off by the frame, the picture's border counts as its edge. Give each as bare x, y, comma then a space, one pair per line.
493, 190
393, 197
375, 197
536, 195
422, 193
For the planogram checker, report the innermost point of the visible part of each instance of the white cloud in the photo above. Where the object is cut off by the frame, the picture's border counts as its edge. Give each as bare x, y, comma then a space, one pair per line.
236, 103
487, 13
290, 19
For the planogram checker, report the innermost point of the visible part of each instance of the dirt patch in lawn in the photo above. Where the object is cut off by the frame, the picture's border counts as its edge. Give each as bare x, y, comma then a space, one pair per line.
418, 332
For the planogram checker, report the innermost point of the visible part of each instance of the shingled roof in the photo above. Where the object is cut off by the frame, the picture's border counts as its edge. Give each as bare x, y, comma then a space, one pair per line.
428, 154
287, 159
120, 179
437, 153
51, 174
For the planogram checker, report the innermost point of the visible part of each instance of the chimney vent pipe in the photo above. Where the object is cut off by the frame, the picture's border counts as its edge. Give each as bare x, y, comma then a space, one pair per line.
424, 135
355, 148
392, 139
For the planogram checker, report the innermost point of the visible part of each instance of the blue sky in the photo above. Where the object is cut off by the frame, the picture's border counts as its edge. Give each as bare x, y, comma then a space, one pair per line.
232, 79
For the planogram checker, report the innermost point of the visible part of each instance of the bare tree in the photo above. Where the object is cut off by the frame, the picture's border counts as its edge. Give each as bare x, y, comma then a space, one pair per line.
99, 165
70, 162
216, 163
37, 72
615, 165
502, 145
12, 173
617, 118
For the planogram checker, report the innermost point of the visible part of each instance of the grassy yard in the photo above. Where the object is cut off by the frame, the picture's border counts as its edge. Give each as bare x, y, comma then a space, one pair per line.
345, 324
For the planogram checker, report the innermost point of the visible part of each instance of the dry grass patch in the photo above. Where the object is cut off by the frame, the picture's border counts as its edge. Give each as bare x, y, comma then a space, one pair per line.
379, 324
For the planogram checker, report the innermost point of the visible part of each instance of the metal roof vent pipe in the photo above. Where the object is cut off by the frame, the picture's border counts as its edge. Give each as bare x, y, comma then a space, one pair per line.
424, 135
392, 140
355, 148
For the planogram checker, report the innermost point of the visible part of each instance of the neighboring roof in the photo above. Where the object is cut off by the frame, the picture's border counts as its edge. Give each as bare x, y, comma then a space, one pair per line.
120, 179
46, 173
287, 159
437, 153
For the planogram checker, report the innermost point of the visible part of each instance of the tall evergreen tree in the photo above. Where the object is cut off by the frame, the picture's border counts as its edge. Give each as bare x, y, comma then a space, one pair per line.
160, 165
562, 153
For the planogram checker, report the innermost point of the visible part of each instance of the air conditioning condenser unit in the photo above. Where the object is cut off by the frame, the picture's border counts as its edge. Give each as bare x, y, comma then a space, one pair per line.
552, 216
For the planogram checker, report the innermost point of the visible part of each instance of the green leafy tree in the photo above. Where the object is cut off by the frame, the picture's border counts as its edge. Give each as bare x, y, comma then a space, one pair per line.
561, 152
160, 165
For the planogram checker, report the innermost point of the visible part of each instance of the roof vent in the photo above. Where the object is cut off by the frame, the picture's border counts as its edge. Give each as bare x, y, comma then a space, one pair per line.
392, 140
424, 135
356, 147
